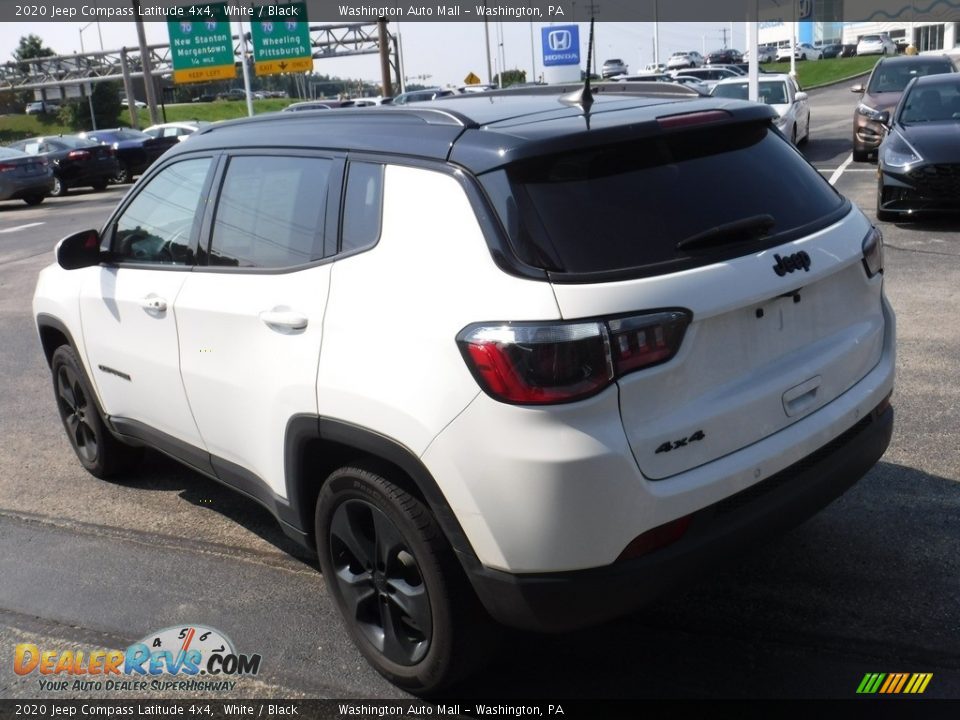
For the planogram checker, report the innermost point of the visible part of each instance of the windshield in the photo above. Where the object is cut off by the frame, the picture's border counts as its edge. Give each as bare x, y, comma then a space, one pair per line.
771, 93
627, 206
931, 103
893, 77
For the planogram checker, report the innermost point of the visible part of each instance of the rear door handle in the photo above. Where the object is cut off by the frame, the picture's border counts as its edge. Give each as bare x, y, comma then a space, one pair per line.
284, 319
153, 303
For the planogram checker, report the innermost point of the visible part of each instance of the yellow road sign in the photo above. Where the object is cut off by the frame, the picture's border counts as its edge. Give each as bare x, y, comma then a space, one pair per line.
471, 79
215, 72
272, 67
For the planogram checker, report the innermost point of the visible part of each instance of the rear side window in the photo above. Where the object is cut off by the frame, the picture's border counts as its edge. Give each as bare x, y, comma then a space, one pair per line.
626, 207
362, 206
271, 212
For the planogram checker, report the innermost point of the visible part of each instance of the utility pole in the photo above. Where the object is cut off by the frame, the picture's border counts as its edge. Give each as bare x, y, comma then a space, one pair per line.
387, 89
245, 67
149, 90
486, 45
724, 38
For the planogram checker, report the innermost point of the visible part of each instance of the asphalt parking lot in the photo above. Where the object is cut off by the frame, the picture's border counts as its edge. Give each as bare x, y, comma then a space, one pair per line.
868, 585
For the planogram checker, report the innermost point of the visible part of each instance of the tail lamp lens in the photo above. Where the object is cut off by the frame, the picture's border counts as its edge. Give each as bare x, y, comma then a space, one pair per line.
78, 154
548, 363
873, 252
5, 167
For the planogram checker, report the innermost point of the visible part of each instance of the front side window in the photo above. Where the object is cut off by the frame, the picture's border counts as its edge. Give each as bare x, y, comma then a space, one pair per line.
157, 226
271, 212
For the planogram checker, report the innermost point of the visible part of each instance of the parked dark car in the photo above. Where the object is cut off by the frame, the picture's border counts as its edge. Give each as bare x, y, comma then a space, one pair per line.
919, 159
726, 56
848, 51
887, 82
24, 177
235, 94
206, 97
832, 51
135, 150
76, 161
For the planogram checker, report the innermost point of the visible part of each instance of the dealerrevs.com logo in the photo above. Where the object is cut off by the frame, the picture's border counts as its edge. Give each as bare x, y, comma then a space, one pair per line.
190, 658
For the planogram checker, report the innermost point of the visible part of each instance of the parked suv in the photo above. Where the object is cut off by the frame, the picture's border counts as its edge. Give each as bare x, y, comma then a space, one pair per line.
479, 355
883, 91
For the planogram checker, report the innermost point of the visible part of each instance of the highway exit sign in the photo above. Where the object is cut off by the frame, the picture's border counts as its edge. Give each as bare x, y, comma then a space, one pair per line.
281, 39
201, 45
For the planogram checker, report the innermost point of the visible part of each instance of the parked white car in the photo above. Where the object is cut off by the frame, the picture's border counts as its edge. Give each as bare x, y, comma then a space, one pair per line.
681, 60
803, 51
780, 91
880, 44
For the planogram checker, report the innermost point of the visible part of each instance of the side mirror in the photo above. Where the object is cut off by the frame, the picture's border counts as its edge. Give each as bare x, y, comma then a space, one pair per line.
857, 89
884, 118
800, 96
79, 250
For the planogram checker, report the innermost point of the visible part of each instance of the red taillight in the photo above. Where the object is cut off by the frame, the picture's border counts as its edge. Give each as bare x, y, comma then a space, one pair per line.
694, 118
546, 363
645, 340
78, 155
4, 167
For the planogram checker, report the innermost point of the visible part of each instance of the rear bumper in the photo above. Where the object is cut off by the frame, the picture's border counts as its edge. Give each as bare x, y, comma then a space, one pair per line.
555, 602
16, 188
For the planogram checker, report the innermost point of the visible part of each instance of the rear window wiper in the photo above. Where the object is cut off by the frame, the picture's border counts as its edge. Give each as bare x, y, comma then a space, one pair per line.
744, 230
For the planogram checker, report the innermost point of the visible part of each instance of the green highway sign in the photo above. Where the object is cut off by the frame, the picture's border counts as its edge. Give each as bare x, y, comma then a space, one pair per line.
201, 44
281, 38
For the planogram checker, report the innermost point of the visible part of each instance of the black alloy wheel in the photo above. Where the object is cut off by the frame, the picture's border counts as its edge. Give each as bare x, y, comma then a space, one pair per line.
102, 454
380, 582
400, 590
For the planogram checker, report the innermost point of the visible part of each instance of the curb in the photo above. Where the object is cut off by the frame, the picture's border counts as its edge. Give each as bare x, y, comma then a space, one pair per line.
840, 81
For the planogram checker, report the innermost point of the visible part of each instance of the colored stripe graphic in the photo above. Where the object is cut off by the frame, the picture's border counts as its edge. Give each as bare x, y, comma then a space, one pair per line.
894, 683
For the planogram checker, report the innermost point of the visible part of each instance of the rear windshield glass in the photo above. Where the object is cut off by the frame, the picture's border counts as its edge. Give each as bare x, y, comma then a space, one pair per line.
893, 77
626, 207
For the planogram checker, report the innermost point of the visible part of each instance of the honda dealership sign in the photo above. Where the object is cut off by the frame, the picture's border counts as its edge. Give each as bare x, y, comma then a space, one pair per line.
561, 53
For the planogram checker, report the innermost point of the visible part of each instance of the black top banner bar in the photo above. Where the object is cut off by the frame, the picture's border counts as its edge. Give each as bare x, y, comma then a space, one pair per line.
558, 11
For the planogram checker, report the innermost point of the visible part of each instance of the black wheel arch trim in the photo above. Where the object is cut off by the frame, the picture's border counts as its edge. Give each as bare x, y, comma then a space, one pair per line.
302, 430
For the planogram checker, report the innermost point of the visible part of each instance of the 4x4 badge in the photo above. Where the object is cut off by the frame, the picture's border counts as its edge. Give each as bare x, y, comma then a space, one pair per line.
790, 263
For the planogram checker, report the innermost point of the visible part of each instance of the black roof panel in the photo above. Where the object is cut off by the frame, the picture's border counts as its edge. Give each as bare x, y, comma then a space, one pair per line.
479, 131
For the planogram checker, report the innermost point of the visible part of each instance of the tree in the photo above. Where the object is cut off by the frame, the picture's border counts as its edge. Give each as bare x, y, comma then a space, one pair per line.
511, 77
31, 46
106, 108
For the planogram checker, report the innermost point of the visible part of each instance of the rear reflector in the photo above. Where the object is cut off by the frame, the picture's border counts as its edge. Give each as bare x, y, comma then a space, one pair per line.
657, 538
557, 362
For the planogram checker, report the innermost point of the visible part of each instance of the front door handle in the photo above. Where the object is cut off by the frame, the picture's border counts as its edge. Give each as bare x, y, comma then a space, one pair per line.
284, 319
153, 303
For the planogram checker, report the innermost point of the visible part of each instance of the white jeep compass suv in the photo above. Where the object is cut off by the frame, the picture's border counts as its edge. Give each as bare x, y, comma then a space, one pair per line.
479, 355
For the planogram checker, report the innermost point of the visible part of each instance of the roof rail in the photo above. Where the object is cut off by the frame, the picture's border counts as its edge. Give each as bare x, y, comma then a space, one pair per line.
381, 113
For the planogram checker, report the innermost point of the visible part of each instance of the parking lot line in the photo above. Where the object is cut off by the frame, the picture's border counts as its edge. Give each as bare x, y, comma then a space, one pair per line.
839, 171
20, 227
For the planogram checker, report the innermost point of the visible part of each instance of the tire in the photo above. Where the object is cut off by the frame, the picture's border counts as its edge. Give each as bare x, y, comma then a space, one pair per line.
34, 199
793, 135
101, 185
806, 137
123, 175
97, 449
403, 596
860, 155
59, 187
